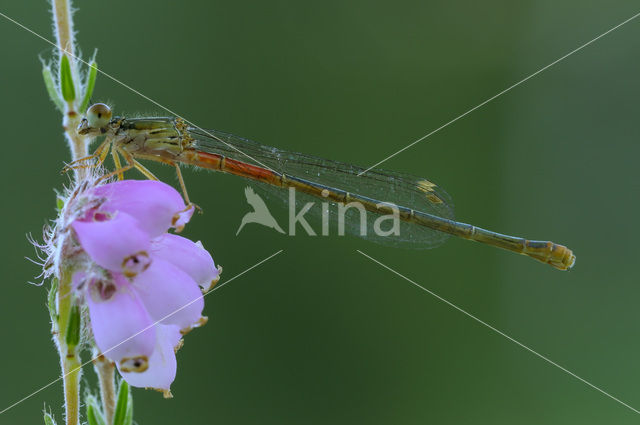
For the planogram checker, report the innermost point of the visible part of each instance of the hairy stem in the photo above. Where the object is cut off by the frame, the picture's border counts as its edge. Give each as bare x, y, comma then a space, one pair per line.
106, 374
63, 23
71, 369
69, 359
67, 348
78, 145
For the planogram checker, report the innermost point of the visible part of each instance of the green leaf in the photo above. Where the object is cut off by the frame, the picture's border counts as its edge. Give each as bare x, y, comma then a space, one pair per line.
124, 406
128, 419
73, 327
48, 419
66, 80
51, 300
47, 75
94, 414
59, 200
89, 86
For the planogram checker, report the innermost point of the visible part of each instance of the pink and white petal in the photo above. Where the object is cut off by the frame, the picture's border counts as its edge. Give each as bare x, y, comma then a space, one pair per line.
110, 243
190, 257
122, 327
156, 205
162, 363
170, 295
182, 218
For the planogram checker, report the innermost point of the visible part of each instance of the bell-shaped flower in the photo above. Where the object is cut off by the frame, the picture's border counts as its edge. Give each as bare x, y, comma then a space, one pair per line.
162, 364
155, 205
114, 243
189, 256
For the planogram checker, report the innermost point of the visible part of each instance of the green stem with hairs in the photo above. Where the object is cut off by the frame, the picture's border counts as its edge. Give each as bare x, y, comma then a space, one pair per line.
63, 23
69, 358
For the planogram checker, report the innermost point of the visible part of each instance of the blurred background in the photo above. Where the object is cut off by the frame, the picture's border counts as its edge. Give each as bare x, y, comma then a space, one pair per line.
320, 334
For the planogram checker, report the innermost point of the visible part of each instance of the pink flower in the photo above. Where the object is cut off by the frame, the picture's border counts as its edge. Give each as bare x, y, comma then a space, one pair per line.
142, 285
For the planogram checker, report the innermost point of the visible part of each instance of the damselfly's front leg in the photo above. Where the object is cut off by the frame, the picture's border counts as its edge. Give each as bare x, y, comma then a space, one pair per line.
100, 153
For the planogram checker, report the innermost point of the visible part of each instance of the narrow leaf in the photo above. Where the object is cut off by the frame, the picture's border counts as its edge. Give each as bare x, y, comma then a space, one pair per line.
48, 419
50, 85
122, 404
59, 199
94, 414
89, 86
51, 300
128, 419
66, 80
73, 327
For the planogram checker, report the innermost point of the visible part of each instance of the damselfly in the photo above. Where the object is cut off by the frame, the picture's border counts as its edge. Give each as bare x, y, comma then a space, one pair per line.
423, 208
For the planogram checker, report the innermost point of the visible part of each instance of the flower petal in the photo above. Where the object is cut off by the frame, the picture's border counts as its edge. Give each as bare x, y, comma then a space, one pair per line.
112, 244
162, 363
120, 322
156, 205
190, 257
166, 290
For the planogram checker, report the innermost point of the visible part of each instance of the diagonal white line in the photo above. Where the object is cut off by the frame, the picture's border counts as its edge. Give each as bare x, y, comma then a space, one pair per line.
499, 332
131, 89
501, 93
136, 334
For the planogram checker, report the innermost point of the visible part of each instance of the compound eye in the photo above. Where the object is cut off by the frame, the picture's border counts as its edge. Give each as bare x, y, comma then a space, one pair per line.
98, 115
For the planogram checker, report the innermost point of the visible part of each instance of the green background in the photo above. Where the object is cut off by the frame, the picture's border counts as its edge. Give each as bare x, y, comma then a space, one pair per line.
320, 334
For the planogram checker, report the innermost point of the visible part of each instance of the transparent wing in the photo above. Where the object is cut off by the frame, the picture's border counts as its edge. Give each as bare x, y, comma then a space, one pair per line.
385, 186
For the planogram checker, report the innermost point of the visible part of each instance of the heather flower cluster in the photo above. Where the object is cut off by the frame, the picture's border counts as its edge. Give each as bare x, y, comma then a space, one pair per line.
142, 285
122, 285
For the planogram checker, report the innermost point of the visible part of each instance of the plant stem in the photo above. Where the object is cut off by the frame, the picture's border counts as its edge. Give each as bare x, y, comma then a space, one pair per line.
78, 145
71, 369
63, 23
69, 355
106, 374
69, 359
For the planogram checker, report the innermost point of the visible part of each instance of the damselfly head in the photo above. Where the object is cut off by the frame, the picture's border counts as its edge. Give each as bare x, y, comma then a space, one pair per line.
97, 117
